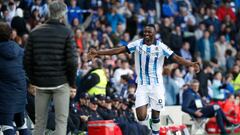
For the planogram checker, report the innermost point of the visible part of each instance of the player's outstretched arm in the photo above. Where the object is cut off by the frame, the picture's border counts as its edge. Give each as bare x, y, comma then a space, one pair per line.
93, 52
187, 63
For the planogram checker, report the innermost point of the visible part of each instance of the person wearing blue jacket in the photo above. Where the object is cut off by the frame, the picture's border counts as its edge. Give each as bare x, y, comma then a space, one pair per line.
206, 47
195, 107
13, 87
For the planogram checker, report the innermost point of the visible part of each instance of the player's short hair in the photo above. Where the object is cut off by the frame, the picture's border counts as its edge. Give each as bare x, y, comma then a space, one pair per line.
150, 25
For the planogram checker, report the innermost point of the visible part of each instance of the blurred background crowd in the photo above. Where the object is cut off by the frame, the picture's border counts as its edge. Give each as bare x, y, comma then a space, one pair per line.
206, 31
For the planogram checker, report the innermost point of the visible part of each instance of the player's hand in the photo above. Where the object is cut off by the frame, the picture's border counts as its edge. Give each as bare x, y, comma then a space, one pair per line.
92, 54
196, 66
198, 113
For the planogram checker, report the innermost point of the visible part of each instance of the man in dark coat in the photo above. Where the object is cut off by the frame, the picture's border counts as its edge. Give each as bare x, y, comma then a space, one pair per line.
13, 87
194, 106
50, 61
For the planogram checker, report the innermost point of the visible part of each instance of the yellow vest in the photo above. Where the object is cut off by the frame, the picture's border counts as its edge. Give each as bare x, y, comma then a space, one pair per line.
99, 88
236, 83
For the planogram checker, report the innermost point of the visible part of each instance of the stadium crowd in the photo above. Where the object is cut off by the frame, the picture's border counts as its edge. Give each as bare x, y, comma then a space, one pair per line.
206, 31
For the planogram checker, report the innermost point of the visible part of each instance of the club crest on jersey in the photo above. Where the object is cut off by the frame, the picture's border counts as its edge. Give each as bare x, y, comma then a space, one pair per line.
156, 48
160, 101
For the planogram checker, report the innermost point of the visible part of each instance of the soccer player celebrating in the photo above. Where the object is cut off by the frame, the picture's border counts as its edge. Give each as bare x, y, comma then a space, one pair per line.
149, 59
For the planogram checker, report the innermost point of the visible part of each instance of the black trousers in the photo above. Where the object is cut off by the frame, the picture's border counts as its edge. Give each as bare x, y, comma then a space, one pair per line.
209, 112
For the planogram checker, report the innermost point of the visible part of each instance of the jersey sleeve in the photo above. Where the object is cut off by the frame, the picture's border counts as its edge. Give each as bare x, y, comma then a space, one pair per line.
131, 47
166, 50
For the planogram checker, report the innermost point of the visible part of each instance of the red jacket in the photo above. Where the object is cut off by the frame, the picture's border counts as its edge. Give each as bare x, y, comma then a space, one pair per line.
223, 11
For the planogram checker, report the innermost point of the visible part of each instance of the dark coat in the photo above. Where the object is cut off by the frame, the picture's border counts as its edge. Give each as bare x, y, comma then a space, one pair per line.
50, 57
12, 78
188, 105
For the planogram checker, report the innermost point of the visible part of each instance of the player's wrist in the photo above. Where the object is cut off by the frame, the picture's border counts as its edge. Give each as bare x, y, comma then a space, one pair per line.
97, 53
188, 64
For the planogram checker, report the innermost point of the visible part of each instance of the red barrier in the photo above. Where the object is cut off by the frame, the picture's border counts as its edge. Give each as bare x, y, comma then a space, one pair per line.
170, 130
108, 127
103, 127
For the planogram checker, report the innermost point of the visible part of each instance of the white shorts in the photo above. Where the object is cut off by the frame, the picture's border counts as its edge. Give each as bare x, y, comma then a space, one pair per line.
151, 95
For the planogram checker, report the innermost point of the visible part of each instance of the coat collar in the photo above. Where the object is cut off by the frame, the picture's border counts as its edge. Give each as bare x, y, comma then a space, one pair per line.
54, 21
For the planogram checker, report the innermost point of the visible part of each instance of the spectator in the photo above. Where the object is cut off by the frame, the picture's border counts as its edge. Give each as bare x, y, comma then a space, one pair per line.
193, 105
94, 42
124, 82
79, 40
206, 47
84, 25
215, 87
229, 59
13, 86
55, 43
169, 8
170, 86
42, 7
5, 14
14, 10
231, 108
19, 24
165, 31
228, 86
199, 31
200, 14
177, 77
74, 11
204, 76
189, 75
185, 18
221, 47
176, 40
229, 34
213, 20
123, 70
97, 18
113, 19
35, 18
106, 41
224, 10
124, 9
184, 52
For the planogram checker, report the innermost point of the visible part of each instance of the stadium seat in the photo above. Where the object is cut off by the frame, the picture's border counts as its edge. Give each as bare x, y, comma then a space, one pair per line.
198, 127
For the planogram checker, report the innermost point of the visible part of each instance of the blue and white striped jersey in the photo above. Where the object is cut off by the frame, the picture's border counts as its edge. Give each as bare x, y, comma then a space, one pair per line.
149, 61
